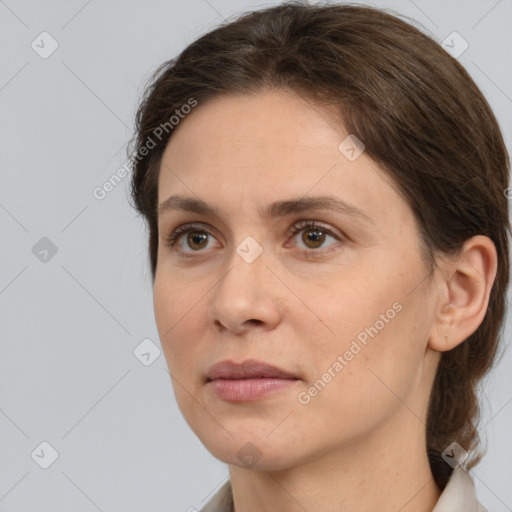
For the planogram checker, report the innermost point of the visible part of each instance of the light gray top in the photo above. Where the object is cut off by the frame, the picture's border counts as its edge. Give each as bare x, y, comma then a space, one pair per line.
458, 496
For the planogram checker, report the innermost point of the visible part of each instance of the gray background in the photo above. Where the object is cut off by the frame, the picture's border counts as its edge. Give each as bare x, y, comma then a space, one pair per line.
70, 324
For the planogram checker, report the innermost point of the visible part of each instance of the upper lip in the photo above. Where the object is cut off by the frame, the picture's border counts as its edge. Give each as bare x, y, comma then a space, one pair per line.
246, 370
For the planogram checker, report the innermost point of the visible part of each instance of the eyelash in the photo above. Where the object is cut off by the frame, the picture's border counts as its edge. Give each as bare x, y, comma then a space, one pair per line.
172, 238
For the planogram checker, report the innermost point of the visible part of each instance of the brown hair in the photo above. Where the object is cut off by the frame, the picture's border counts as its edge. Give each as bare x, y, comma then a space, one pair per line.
422, 120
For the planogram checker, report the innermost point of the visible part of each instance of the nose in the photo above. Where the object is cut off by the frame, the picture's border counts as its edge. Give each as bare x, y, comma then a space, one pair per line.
245, 297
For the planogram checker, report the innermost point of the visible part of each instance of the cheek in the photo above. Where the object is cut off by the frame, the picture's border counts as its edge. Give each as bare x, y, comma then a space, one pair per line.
348, 307
374, 382
180, 317
374, 325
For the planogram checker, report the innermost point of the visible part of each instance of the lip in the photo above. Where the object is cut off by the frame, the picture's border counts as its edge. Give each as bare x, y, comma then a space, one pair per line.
249, 369
249, 380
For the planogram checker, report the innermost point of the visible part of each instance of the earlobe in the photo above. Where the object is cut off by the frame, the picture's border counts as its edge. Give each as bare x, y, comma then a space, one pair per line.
466, 293
441, 339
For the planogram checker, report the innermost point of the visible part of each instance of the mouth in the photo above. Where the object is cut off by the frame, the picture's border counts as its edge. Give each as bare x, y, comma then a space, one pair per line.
250, 369
249, 380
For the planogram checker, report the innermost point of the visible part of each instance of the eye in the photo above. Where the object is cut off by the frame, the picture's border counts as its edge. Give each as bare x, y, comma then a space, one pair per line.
313, 235
196, 236
196, 239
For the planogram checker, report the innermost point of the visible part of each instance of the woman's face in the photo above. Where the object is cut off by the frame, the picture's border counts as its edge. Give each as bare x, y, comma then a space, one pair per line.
344, 307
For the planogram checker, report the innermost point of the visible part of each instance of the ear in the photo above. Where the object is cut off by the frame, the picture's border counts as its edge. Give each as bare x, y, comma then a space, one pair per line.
464, 289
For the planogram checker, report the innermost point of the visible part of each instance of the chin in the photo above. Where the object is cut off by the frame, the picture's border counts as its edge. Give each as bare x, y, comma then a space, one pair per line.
248, 450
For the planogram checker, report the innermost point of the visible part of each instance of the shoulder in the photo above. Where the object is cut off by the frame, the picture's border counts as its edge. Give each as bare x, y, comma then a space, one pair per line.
222, 500
458, 496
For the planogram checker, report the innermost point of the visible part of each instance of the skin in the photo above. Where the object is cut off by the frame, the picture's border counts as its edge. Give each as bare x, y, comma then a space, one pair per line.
359, 444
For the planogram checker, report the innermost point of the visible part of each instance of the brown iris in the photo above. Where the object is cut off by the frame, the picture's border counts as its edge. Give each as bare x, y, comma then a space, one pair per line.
195, 238
313, 236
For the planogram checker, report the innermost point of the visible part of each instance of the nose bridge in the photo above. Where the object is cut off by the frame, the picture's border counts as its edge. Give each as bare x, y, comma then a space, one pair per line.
247, 266
245, 292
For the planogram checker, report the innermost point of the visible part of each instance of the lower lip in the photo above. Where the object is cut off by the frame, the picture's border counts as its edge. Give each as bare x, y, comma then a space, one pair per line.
243, 390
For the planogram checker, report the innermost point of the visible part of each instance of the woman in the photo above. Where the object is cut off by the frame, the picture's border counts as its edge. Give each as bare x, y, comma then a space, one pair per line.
324, 188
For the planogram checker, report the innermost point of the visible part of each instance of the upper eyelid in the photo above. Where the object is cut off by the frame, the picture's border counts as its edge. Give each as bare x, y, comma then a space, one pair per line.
300, 223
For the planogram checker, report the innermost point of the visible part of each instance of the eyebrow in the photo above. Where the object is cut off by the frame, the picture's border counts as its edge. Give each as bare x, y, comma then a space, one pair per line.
276, 209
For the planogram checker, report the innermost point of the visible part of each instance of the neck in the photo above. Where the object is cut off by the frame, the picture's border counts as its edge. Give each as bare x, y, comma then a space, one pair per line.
386, 472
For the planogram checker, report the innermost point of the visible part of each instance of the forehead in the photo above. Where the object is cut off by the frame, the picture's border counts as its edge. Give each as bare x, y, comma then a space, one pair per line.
267, 147
251, 129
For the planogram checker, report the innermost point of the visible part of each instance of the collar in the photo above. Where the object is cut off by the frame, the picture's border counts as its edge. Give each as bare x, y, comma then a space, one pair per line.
458, 496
